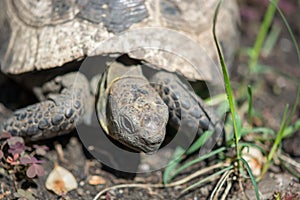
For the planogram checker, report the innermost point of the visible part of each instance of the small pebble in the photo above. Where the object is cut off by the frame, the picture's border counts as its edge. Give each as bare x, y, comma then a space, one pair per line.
80, 191
96, 180
81, 183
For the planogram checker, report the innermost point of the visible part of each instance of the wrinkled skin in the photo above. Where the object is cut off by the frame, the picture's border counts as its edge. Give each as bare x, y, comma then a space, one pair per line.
137, 116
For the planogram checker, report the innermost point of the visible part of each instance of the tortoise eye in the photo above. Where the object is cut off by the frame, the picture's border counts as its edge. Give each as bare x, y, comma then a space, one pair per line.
127, 124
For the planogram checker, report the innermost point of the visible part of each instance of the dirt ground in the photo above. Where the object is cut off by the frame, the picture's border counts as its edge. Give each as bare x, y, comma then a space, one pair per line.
274, 89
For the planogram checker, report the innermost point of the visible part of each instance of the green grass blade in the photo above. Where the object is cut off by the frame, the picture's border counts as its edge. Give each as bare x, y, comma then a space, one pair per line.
216, 100
263, 130
246, 144
252, 178
289, 30
271, 40
268, 18
200, 141
297, 100
276, 143
199, 159
168, 173
250, 104
226, 81
298, 56
279, 135
297, 125
290, 130
286, 120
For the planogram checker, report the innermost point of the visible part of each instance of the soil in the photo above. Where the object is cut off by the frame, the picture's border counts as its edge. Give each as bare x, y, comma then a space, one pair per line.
272, 90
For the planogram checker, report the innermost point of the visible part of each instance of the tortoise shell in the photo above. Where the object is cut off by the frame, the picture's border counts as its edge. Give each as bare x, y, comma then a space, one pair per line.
171, 34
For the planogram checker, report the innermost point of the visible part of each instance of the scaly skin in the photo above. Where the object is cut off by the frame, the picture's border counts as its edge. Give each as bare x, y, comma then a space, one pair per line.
137, 113
58, 114
130, 110
187, 109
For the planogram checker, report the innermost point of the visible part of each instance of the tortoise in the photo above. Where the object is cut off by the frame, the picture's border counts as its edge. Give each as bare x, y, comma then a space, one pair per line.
44, 42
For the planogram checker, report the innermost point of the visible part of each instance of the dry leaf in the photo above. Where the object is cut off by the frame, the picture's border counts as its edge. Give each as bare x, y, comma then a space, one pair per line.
61, 181
255, 159
96, 180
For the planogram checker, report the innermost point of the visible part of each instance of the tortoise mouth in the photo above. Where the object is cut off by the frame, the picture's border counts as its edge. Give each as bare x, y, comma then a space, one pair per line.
152, 144
142, 141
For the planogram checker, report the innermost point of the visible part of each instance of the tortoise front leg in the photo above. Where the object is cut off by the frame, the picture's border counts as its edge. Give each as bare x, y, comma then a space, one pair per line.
187, 109
65, 104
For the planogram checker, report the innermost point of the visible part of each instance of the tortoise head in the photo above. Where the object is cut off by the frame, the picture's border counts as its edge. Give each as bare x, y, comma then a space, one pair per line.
136, 115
